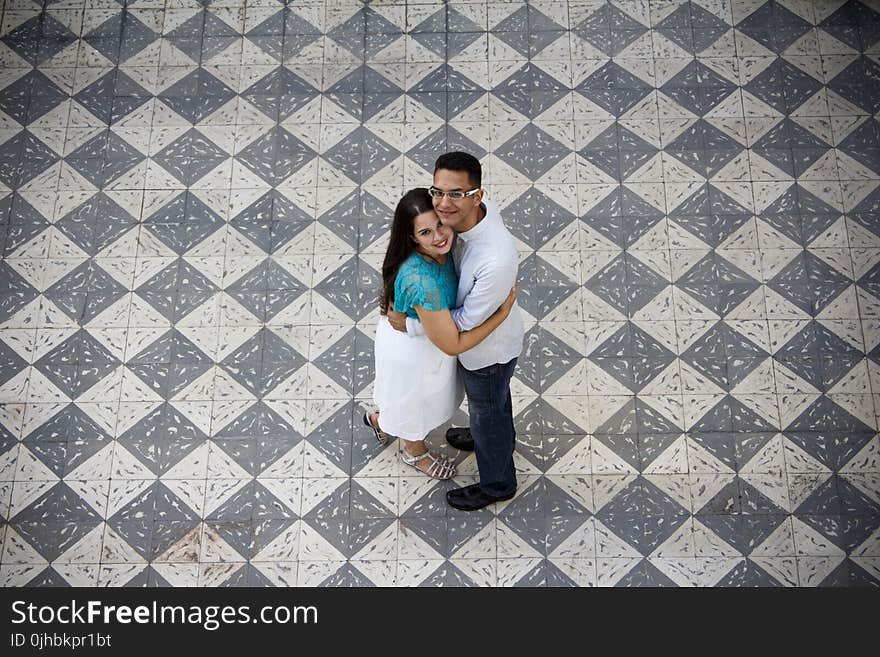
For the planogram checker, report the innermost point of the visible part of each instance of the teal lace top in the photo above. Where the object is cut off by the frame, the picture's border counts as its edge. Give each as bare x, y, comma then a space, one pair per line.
424, 283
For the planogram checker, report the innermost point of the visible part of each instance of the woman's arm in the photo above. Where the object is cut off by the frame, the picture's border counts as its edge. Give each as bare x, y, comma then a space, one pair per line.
443, 332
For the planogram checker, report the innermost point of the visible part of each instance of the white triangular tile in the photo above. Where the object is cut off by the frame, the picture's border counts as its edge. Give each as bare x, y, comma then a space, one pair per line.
769, 459
281, 573
483, 572
673, 460
410, 547
581, 543
709, 544
314, 547
93, 493
283, 548
382, 548
810, 543
191, 491
316, 464
609, 545
695, 572
218, 491
119, 574
867, 460
812, 570
381, 573
412, 489
116, 549
412, 572
383, 489
288, 466
772, 486
78, 575
214, 549
867, 482
860, 406
30, 468
605, 461
178, 574
125, 465
581, 571
577, 486
482, 545
704, 487
316, 491
85, 550
186, 549
511, 571
679, 544
222, 466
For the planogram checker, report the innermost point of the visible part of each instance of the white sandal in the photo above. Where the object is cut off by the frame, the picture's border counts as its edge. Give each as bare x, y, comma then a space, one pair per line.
440, 467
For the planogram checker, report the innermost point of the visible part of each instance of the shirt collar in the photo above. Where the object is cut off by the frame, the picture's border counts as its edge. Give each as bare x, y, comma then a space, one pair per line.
483, 227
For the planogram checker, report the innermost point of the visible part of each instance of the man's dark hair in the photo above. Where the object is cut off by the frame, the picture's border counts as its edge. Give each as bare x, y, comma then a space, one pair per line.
461, 161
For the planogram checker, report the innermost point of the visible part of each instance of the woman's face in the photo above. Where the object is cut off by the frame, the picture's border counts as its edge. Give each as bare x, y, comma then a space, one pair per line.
432, 237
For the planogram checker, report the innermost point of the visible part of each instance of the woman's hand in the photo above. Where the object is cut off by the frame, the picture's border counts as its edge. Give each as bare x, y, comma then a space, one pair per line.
396, 319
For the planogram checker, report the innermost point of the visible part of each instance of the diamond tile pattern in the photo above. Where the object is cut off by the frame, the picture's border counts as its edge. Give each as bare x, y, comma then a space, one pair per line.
774, 26
112, 97
692, 27
610, 29
39, 38
120, 37
194, 205
104, 158
197, 95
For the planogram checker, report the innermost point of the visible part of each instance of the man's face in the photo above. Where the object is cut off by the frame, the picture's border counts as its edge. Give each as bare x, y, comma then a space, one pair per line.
455, 213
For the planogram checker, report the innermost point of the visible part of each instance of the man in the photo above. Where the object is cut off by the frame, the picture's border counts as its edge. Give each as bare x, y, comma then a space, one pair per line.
486, 261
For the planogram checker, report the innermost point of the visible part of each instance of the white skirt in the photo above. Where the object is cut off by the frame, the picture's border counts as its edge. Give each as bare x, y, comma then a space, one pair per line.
417, 386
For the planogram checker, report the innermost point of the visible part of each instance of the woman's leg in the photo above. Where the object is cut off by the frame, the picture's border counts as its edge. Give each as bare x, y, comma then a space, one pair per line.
415, 448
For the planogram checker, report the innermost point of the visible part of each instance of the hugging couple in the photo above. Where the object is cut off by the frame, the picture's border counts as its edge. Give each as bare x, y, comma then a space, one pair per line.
449, 323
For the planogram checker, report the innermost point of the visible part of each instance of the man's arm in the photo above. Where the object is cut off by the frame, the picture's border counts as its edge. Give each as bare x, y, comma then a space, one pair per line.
414, 327
491, 286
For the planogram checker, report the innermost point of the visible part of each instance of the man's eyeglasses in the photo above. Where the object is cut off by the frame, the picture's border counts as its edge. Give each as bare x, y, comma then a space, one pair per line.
455, 196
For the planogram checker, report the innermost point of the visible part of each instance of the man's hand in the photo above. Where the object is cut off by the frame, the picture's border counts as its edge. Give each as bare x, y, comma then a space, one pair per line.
396, 319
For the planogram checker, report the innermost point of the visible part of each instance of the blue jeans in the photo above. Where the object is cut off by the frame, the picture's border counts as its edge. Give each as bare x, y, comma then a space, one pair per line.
491, 416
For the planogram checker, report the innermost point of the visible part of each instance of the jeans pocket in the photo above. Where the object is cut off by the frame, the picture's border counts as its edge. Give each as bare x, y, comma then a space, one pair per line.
478, 385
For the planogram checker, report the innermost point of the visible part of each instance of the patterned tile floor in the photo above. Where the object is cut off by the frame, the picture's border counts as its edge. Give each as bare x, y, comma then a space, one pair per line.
195, 198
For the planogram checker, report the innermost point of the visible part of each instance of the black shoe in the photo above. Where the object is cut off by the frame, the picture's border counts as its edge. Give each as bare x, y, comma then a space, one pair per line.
472, 498
460, 438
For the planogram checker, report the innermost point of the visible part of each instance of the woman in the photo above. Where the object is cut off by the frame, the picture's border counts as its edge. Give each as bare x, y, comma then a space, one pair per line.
417, 387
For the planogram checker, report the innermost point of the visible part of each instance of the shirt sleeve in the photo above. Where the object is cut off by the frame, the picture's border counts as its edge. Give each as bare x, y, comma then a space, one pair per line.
428, 294
414, 327
491, 287
417, 287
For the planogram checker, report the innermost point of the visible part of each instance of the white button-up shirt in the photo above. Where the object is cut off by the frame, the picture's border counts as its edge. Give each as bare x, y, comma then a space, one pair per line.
486, 261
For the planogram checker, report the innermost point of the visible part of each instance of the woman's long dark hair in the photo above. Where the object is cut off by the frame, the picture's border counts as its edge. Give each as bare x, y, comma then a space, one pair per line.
401, 245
